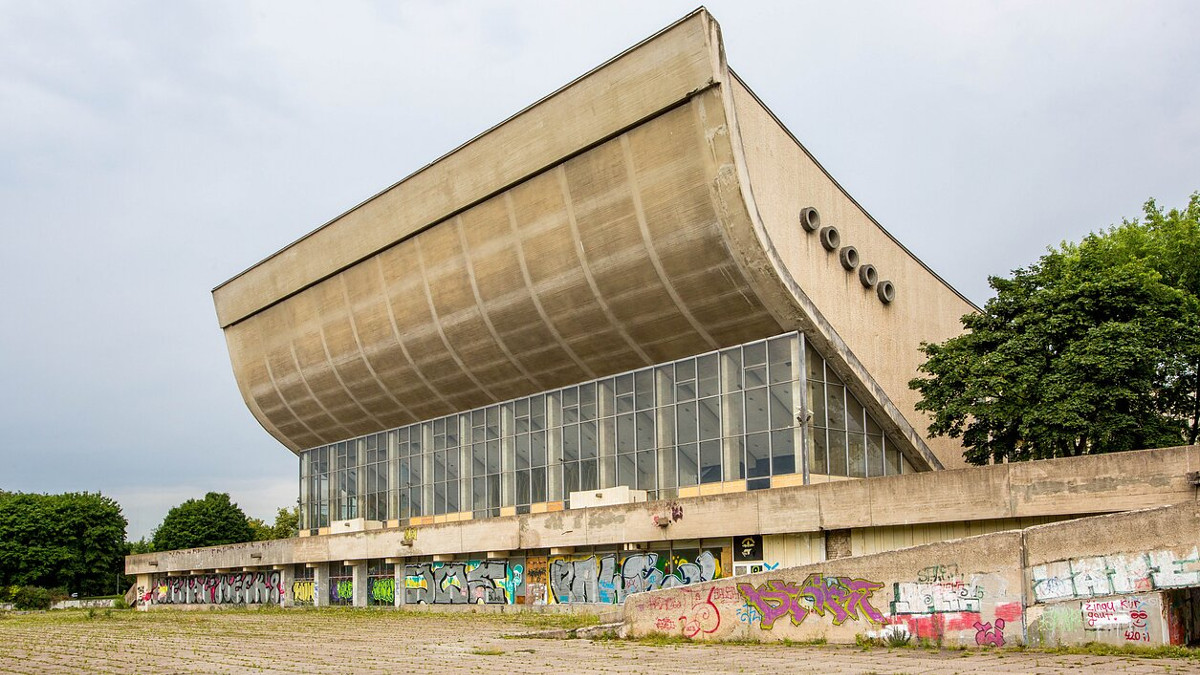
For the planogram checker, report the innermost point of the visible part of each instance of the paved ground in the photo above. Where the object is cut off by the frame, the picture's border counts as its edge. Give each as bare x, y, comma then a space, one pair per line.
395, 642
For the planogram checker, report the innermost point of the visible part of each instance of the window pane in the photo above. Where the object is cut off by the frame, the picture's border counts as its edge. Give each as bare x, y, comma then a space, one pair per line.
779, 353
452, 497
733, 419
570, 478
685, 422
537, 485
570, 445
837, 453
689, 473
875, 456
625, 434
521, 450
854, 415
858, 456
493, 457
758, 455
645, 430
710, 461
781, 406
537, 445
587, 401
893, 459
756, 409
836, 406
644, 384
645, 470
625, 471
493, 491
589, 477
522, 481
783, 454
588, 444
708, 375
479, 493
710, 418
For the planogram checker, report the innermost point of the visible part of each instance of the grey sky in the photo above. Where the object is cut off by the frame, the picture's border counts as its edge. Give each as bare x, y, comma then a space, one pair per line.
151, 150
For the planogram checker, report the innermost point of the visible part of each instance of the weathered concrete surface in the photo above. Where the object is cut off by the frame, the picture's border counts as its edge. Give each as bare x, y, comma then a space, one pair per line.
937, 592
1131, 578
1075, 486
398, 642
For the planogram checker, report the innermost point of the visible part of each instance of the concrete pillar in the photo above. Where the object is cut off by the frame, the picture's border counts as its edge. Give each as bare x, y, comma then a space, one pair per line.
321, 585
360, 583
145, 585
400, 576
287, 575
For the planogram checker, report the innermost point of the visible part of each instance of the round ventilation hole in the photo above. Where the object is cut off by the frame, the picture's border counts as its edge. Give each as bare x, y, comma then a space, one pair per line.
849, 257
867, 275
810, 219
886, 291
830, 238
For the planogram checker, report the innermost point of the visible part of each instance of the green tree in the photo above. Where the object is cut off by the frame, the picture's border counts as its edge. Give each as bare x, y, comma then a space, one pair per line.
1095, 348
211, 521
74, 540
286, 525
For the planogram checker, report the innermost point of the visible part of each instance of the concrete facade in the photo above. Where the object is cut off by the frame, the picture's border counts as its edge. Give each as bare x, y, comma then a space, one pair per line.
649, 218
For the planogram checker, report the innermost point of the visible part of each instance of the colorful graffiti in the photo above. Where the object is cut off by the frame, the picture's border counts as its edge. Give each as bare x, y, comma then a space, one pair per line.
381, 590
988, 635
488, 582
841, 597
341, 591
1115, 575
937, 597
303, 592
237, 588
601, 579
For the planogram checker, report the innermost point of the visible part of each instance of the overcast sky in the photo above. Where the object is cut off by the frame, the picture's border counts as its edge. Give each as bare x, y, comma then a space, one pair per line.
151, 150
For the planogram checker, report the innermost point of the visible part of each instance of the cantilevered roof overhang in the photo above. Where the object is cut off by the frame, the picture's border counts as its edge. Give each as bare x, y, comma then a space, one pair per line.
643, 213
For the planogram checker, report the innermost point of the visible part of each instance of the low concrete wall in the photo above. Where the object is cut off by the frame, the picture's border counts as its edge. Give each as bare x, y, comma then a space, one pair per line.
1129, 578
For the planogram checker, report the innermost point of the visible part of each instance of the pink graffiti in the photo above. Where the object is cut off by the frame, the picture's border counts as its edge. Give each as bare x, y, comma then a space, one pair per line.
726, 594
985, 634
665, 623
934, 626
843, 597
702, 615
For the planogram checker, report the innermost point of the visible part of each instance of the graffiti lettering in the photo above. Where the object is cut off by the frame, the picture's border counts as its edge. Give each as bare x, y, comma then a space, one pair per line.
842, 597
704, 617
940, 597
235, 588
1115, 574
382, 589
598, 579
302, 592
986, 634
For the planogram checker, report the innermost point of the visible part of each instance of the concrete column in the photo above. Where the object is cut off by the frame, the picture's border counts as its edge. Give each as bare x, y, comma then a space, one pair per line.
145, 584
287, 575
360, 583
399, 572
321, 585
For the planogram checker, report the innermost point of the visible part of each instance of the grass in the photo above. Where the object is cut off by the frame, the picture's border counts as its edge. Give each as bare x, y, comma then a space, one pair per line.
487, 651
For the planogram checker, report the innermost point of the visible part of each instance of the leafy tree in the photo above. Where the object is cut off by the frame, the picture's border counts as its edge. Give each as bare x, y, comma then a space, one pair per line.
1095, 348
211, 521
73, 540
286, 525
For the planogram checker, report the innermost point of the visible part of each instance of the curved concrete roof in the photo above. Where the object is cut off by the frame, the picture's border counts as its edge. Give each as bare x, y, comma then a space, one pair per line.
645, 212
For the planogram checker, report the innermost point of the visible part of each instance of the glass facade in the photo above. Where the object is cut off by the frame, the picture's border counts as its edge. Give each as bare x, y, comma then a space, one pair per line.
729, 415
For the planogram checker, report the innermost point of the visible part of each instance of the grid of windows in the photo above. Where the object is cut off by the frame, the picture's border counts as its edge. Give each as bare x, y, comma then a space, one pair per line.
730, 415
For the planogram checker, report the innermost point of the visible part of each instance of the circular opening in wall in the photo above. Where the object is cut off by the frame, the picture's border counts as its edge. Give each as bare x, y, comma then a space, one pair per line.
886, 291
867, 275
830, 238
810, 219
849, 257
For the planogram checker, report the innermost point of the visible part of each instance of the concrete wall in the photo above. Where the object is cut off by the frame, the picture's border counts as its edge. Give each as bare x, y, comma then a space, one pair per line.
1061, 487
1129, 578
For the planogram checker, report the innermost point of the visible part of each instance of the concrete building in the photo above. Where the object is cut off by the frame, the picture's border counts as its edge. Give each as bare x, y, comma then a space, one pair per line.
633, 337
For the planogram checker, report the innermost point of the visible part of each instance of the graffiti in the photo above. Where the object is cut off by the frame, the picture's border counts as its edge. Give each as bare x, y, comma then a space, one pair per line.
934, 573
1115, 575
486, 582
536, 579
1126, 614
598, 578
704, 617
748, 614
939, 597
341, 591
986, 634
303, 592
842, 597
382, 589
410, 536
235, 588
770, 567
664, 623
